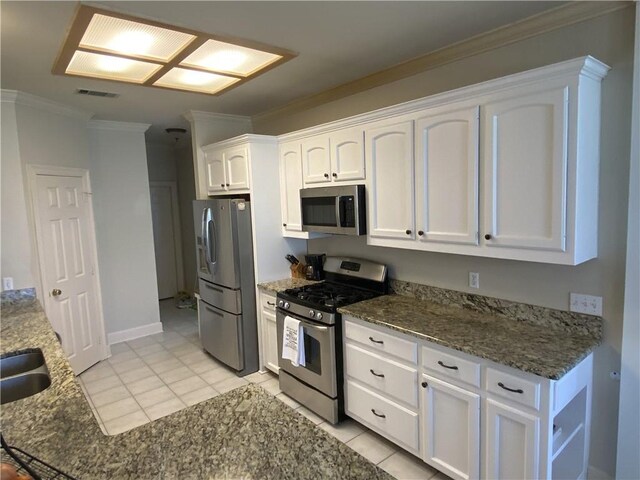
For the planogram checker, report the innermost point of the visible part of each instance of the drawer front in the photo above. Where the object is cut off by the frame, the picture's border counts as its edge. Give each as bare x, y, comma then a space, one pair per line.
382, 342
268, 301
517, 389
451, 366
391, 378
390, 419
221, 297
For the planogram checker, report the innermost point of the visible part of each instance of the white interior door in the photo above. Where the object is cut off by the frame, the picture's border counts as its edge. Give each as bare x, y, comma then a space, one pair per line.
163, 215
65, 234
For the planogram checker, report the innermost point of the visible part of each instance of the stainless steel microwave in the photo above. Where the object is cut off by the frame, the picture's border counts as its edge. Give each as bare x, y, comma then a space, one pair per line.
334, 210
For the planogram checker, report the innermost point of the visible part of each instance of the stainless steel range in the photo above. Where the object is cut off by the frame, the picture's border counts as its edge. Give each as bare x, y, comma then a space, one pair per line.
318, 384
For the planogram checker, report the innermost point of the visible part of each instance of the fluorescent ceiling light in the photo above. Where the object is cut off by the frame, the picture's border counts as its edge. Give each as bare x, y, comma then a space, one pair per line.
113, 46
224, 57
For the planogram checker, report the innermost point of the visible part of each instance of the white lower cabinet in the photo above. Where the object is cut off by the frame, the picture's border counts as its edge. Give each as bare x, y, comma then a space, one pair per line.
451, 422
512, 442
472, 418
269, 332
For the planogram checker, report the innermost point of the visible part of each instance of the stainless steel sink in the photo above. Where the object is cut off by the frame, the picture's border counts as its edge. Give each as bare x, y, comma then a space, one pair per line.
22, 373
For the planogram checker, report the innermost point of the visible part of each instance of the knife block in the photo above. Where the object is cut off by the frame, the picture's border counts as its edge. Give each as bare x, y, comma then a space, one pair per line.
298, 270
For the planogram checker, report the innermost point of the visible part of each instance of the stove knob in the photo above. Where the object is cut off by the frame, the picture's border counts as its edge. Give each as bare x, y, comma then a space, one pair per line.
312, 313
286, 305
281, 303
319, 315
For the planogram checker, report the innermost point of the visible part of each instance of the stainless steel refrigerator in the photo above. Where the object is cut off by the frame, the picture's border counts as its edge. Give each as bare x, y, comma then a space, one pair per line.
227, 309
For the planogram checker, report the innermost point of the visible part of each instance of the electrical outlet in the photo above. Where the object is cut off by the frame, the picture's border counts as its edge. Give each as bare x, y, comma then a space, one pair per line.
474, 279
7, 283
589, 304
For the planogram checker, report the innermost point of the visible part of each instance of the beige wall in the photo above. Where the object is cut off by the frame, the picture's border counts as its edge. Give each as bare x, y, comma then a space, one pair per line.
608, 38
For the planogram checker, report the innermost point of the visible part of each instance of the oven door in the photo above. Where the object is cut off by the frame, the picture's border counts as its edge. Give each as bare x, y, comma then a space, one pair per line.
320, 355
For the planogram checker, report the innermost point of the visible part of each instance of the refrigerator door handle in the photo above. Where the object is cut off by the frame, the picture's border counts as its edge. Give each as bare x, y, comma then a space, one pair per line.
203, 232
212, 240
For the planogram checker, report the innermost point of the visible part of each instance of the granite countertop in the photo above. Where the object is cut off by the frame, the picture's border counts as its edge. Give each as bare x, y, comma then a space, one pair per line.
281, 285
536, 349
245, 433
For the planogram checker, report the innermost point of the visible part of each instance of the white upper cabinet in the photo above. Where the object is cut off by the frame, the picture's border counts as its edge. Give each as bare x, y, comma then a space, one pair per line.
226, 169
446, 177
347, 155
290, 185
390, 202
316, 164
337, 157
525, 141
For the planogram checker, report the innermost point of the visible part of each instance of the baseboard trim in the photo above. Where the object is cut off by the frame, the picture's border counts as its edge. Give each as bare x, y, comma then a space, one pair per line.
594, 473
132, 333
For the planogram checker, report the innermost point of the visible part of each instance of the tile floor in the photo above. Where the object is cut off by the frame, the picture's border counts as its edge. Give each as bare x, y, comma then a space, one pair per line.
150, 377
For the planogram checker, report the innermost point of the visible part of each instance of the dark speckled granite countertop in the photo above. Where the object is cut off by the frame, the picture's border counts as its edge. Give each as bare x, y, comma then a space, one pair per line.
536, 349
281, 285
245, 433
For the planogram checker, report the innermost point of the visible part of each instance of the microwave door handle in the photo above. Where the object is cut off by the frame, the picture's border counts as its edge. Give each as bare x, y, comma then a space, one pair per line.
338, 211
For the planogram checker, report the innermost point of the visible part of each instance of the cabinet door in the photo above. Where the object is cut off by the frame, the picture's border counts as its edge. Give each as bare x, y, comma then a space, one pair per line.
347, 155
237, 168
451, 419
525, 171
316, 166
447, 177
214, 163
270, 340
389, 153
290, 185
511, 438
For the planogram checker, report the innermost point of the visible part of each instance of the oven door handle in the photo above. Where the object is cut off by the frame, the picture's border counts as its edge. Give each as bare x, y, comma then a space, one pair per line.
314, 327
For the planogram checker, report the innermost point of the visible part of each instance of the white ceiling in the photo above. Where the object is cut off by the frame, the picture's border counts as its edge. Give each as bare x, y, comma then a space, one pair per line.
337, 42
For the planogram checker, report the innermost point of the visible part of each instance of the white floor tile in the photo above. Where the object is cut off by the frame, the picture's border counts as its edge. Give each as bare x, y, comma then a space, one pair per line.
149, 349
122, 357
184, 349
126, 422
128, 365
287, 400
109, 396
102, 384
176, 374
195, 357
310, 415
136, 374
344, 431
119, 348
98, 371
165, 408
118, 409
187, 385
155, 396
372, 447
405, 466
145, 384
217, 375
272, 386
157, 357
199, 395
230, 384
167, 365
259, 377
164, 337
141, 342
202, 366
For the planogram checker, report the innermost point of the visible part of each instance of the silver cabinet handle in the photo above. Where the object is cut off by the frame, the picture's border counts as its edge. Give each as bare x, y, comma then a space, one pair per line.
381, 415
380, 342
450, 367
271, 303
519, 390
381, 375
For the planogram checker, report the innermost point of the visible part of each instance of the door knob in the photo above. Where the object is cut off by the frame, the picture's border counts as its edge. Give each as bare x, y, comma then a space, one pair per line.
56, 291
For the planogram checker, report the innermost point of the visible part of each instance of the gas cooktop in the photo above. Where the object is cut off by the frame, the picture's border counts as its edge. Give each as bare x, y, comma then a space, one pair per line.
327, 295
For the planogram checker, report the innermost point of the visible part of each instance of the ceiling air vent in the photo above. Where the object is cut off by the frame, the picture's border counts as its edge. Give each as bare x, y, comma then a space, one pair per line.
96, 93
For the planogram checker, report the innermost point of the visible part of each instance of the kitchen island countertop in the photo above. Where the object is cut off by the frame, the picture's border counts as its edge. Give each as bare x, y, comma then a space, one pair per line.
543, 351
245, 433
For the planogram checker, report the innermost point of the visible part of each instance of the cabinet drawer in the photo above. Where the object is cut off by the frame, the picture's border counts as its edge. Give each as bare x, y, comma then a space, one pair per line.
224, 298
390, 419
451, 366
268, 301
382, 342
389, 377
521, 390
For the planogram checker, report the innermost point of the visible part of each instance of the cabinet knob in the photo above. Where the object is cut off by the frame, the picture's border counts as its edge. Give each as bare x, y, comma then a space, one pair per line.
487, 236
227, 184
222, 185
284, 224
408, 232
335, 175
424, 384
420, 233
326, 175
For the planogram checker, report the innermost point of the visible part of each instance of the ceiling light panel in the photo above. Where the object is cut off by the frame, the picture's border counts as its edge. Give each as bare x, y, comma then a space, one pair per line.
117, 35
195, 81
228, 58
109, 67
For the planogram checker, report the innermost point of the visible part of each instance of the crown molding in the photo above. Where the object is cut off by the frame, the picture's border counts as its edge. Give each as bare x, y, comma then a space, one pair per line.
120, 126
243, 140
559, 17
197, 115
28, 100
